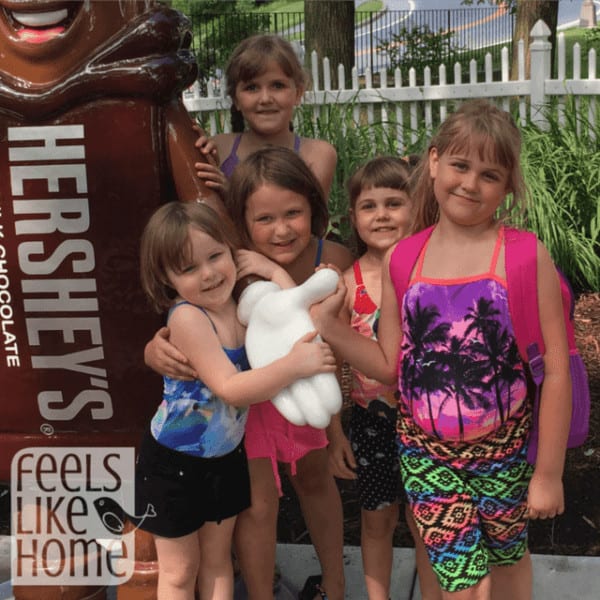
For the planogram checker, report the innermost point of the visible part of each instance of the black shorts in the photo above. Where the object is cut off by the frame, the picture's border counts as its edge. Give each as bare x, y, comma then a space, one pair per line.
187, 491
373, 441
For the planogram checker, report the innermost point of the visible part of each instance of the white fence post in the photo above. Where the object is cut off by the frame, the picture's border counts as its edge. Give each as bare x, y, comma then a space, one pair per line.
540, 49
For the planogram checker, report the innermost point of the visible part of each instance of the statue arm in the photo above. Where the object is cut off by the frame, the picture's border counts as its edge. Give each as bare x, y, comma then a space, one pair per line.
183, 155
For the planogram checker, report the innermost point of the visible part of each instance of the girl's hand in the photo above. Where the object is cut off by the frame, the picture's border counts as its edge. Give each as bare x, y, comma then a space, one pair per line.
312, 357
209, 171
207, 147
164, 358
330, 308
339, 451
545, 499
212, 176
252, 263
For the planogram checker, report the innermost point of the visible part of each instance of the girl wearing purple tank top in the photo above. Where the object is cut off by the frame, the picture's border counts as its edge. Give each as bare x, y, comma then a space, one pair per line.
265, 81
449, 343
277, 204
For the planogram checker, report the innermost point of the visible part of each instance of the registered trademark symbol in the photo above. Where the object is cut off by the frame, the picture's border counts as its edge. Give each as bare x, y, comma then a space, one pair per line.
47, 429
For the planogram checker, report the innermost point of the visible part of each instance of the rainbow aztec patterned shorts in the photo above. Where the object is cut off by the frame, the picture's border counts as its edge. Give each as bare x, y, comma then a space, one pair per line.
468, 499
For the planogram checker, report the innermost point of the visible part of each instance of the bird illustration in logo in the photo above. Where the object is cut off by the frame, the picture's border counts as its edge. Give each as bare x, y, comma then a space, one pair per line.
113, 516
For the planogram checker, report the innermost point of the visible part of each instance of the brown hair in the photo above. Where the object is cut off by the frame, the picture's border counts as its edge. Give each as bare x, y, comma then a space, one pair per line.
281, 167
251, 58
380, 172
480, 124
165, 244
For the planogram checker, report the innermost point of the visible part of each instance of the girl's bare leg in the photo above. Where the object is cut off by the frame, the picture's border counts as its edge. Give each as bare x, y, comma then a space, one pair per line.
428, 583
215, 581
322, 510
376, 541
514, 581
255, 535
178, 561
481, 591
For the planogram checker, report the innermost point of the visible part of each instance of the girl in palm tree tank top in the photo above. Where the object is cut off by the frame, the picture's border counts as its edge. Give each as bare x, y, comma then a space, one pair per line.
463, 424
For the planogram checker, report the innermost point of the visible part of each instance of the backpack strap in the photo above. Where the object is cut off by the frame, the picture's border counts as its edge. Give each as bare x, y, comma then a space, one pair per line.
520, 255
520, 252
403, 260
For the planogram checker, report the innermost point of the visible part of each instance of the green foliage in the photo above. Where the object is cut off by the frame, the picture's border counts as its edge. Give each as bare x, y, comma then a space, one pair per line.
561, 169
370, 6
215, 44
419, 47
218, 27
591, 39
560, 166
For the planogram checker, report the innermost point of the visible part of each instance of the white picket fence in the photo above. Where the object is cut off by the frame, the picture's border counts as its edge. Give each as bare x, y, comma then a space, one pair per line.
411, 107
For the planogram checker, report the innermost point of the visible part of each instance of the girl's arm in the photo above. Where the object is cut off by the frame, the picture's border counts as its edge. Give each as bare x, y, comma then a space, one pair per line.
546, 495
321, 157
252, 263
337, 255
193, 333
339, 451
165, 359
376, 359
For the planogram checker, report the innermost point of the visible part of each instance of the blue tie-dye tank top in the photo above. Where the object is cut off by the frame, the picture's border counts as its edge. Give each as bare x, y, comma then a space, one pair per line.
191, 419
461, 376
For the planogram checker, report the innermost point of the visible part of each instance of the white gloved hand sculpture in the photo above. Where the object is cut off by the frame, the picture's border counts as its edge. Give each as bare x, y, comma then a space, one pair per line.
275, 320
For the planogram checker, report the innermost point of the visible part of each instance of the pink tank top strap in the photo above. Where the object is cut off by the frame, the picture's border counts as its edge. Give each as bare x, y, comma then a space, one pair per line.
497, 249
419, 265
493, 263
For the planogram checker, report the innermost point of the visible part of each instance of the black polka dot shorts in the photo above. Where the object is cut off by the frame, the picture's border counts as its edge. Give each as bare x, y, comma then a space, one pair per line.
373, 440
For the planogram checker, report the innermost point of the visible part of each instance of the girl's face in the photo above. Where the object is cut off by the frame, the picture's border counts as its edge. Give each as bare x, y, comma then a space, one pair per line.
381, 216
278, 223
468, 189
267, 101
209, 273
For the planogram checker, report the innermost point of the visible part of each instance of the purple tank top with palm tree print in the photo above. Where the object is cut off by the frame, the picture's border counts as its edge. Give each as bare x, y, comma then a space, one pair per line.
461, 376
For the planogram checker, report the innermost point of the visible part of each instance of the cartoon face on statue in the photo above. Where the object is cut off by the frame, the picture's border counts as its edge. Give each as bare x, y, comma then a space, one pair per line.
93, 137
275, 320
35, 36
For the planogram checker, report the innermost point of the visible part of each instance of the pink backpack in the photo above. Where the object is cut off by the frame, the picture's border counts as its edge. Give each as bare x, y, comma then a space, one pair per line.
521, 275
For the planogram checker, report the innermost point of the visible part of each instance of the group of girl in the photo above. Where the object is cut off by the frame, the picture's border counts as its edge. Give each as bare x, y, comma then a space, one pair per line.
210, 460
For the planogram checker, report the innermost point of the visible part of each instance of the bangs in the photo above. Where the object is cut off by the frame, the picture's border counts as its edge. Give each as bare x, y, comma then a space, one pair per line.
177, 250
489, 149
255, 61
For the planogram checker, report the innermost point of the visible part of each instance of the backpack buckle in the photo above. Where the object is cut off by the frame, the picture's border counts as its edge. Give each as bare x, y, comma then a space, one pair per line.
536, 363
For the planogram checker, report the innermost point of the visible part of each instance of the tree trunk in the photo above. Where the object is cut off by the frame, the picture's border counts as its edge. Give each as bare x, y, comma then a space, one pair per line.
329, 29
527, 15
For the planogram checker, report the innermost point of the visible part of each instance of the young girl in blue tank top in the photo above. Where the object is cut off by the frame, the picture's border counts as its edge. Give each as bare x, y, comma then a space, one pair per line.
192, 467
265, 81
278, 207
464, 415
